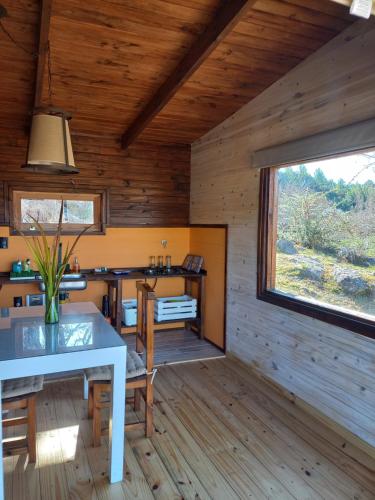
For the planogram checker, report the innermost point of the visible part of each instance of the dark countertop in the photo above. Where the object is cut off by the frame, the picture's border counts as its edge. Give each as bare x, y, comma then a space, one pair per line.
133, 273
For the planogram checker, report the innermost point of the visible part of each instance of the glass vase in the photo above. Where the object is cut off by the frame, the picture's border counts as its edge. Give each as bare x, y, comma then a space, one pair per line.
51, 315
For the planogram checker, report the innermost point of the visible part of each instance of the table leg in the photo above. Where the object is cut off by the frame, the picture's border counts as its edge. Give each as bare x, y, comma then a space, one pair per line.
85, 387
1, 454
117, 419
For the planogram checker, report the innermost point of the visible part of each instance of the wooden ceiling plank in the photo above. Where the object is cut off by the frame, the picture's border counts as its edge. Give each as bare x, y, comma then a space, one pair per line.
227, 17
302, 14
43, 48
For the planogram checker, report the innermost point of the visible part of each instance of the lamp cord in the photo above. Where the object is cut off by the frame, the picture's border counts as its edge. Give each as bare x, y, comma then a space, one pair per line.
49, 73
35, 55
13, 40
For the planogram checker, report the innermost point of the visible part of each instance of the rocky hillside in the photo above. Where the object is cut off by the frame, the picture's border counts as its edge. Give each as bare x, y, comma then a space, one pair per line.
332, 279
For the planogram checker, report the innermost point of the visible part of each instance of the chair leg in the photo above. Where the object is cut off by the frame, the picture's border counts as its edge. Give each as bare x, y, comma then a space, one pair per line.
97, 417
90, 404
149, 407
137, 399
31, 429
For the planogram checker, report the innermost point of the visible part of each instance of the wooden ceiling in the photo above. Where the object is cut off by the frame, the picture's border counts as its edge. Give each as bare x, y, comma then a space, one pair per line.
109, 57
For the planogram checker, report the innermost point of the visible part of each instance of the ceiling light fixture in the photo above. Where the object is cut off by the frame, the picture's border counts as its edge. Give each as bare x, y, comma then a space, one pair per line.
49, 149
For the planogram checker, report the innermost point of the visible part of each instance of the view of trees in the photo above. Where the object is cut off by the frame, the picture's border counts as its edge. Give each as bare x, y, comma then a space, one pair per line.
324, 214
48, 211
326, 234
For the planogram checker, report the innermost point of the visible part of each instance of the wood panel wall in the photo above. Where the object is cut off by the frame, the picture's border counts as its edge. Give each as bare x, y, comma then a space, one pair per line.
330, 368
146, 185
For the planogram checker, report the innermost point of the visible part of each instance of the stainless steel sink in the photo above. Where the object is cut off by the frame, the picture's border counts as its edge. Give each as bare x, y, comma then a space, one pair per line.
69, 282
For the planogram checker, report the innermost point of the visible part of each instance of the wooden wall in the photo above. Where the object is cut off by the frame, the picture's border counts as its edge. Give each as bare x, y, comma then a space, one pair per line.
330, 368
147, 185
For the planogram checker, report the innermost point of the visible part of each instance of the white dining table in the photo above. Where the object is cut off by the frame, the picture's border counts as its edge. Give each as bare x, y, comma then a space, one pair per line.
81, 339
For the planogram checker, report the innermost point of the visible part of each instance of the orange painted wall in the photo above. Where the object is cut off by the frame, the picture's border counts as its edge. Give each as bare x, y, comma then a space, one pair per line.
119, 247
127, 247
211, 244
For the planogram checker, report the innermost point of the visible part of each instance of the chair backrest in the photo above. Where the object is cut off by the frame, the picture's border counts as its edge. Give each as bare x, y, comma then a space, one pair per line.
145, 322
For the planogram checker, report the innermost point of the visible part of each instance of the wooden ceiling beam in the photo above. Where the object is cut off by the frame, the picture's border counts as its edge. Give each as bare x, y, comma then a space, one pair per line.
227, 16
349, 2
43, 49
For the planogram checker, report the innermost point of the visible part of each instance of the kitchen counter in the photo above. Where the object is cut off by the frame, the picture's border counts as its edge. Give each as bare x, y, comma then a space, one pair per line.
114, 283
133, 273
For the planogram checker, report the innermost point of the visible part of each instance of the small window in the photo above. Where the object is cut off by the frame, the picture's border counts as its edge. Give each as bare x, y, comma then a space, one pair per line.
317, 239
80, 210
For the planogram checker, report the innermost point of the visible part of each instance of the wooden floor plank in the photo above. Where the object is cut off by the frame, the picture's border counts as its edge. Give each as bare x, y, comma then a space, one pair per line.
158, 478
252, 434
227, 452
135, 484
178, 468
279, 448
77, 469
26, 482
333, 451
166, 421
53, 482
219, 433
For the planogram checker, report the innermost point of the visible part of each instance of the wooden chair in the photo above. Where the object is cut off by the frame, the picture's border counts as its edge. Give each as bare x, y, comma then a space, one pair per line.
20, 394
140, 371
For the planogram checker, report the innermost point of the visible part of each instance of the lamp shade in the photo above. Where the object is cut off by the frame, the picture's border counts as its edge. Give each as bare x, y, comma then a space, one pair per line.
50, 148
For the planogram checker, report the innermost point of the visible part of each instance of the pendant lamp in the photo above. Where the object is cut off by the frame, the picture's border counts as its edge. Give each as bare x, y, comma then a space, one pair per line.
50, 148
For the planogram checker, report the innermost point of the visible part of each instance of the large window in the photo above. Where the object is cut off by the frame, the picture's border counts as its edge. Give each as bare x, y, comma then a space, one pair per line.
79, 211
317, 239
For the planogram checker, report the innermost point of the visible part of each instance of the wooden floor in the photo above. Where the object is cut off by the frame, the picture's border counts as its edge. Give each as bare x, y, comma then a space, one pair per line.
220, 433
177, 346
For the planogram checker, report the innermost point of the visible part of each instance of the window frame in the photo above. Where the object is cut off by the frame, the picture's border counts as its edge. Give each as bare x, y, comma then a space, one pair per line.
17, 192
267, 233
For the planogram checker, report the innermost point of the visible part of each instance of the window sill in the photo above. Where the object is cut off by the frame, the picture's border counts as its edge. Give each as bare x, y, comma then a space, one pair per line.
339, 318
14, 232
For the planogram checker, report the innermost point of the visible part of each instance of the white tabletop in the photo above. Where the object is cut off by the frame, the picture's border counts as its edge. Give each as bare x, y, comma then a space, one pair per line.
81, 339
23, 333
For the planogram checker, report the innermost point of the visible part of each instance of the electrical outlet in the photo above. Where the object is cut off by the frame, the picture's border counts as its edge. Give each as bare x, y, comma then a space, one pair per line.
164, 243
3, 242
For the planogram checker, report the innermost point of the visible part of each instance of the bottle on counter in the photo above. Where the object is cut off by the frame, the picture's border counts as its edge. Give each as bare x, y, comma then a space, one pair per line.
76, 268
105, 306
17, 266
168, 263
